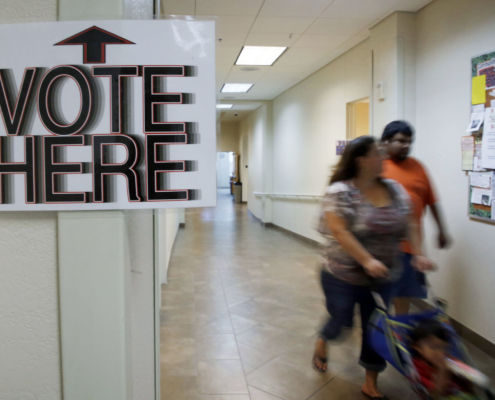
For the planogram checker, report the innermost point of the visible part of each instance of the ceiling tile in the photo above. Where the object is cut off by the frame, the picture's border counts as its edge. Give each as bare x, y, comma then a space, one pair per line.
412, 5
359, 8
177, 7
282, 73
301, 56
294, 8
271, 39
339, 26
227, 24
222, 72
266, 92
228, 7
237, 75
328, 42
231, 39
227, 54
281, 25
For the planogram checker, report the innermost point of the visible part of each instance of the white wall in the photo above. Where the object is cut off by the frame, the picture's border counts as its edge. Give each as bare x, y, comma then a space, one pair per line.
168, 227
255, 131
29, 328
139, 246
229, 140
307, 121
449, 33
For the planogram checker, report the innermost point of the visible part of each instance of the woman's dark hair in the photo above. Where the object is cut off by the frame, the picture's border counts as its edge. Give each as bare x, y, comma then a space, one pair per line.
396, 127
347, 167
429, 328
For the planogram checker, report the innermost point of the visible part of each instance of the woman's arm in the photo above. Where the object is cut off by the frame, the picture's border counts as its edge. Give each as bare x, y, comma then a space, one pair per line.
351, 246
420, 262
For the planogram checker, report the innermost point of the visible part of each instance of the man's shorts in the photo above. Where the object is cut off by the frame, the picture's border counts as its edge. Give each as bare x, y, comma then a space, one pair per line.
412, 283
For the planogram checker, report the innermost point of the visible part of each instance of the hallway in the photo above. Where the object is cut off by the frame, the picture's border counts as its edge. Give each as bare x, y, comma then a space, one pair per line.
240, 314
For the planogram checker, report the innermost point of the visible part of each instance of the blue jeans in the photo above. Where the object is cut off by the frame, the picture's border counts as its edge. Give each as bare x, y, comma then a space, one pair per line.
412, 283
340, 300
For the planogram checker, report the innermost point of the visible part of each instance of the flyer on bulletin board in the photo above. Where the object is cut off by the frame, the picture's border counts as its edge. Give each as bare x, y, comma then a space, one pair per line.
481, 186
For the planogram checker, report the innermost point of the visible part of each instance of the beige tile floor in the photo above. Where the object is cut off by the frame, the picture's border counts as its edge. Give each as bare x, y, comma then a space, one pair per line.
240, 314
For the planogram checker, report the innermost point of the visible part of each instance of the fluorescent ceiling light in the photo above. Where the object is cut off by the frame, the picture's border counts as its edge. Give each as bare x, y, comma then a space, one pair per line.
236, 87
259, 55
225, 105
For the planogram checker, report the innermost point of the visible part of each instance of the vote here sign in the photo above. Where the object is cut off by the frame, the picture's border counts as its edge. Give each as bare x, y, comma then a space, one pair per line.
107, 115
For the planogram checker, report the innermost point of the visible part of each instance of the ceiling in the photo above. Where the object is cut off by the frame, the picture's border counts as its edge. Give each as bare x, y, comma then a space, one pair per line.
316, 32
239, 111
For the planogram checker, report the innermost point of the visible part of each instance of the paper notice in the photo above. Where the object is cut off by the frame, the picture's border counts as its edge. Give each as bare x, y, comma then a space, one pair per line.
476, 121
481, 196
481, 179
479, 108
477, 154
488, 140
478, 90
467, 148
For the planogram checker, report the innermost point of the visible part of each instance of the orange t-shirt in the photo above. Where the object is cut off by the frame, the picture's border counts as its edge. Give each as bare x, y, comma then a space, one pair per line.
411, 174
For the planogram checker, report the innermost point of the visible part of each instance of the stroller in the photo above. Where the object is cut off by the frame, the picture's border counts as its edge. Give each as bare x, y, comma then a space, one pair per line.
389, 337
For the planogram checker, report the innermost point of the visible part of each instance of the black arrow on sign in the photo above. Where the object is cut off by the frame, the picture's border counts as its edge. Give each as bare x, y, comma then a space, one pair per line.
94, 41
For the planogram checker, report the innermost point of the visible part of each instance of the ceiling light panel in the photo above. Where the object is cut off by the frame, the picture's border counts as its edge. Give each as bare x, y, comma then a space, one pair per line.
236, 87
259, 55
224, 106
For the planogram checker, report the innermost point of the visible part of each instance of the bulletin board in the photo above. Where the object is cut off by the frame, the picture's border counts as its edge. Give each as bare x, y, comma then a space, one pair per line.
481, 176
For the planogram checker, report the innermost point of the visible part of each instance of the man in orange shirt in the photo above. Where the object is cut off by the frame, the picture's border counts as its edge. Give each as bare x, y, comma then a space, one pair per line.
396, 140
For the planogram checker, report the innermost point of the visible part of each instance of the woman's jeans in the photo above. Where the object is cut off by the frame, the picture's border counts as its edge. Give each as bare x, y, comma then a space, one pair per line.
341, 298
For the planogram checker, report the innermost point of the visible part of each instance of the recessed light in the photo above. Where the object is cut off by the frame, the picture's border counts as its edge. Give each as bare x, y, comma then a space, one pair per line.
259, 55
236, 87
225, 106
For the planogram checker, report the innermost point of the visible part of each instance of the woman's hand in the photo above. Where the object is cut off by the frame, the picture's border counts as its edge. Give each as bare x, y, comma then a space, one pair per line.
423, 264
375, 268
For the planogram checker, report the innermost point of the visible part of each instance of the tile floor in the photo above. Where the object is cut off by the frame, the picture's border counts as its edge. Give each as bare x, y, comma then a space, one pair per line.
240, 314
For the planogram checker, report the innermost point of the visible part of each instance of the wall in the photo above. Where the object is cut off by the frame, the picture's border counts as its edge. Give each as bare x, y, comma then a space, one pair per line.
450, 32
307, 120
229, 139
29, 332
168, 227
393, 42
256, 132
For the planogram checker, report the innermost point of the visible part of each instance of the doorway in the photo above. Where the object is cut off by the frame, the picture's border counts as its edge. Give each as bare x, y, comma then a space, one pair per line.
358, 118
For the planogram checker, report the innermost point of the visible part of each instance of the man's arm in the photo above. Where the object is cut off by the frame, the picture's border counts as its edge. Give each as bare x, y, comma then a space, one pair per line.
443, 239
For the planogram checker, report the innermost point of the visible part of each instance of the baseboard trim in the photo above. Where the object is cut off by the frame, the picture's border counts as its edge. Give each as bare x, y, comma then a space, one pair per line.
295, 235
464, 332
271, 225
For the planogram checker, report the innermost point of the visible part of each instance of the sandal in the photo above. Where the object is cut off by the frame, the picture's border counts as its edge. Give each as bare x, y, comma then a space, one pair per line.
322, 360
375, 397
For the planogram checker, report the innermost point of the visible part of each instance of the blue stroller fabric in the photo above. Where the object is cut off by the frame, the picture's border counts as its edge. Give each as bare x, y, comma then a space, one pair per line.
389, 337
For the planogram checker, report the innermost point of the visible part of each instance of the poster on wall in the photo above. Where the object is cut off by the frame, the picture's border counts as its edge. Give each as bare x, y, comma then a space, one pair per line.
107, 115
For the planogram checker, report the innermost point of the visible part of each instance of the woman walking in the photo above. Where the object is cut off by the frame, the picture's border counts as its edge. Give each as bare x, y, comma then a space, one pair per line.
364, 218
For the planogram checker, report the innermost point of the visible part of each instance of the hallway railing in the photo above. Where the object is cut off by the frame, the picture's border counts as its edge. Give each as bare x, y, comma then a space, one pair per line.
287, 195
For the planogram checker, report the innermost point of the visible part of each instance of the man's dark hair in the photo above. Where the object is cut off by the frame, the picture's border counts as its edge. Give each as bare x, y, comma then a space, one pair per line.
429, 328
396, 127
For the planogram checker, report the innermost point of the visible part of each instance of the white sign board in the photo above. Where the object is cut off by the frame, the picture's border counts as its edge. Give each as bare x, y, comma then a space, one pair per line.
107, 115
